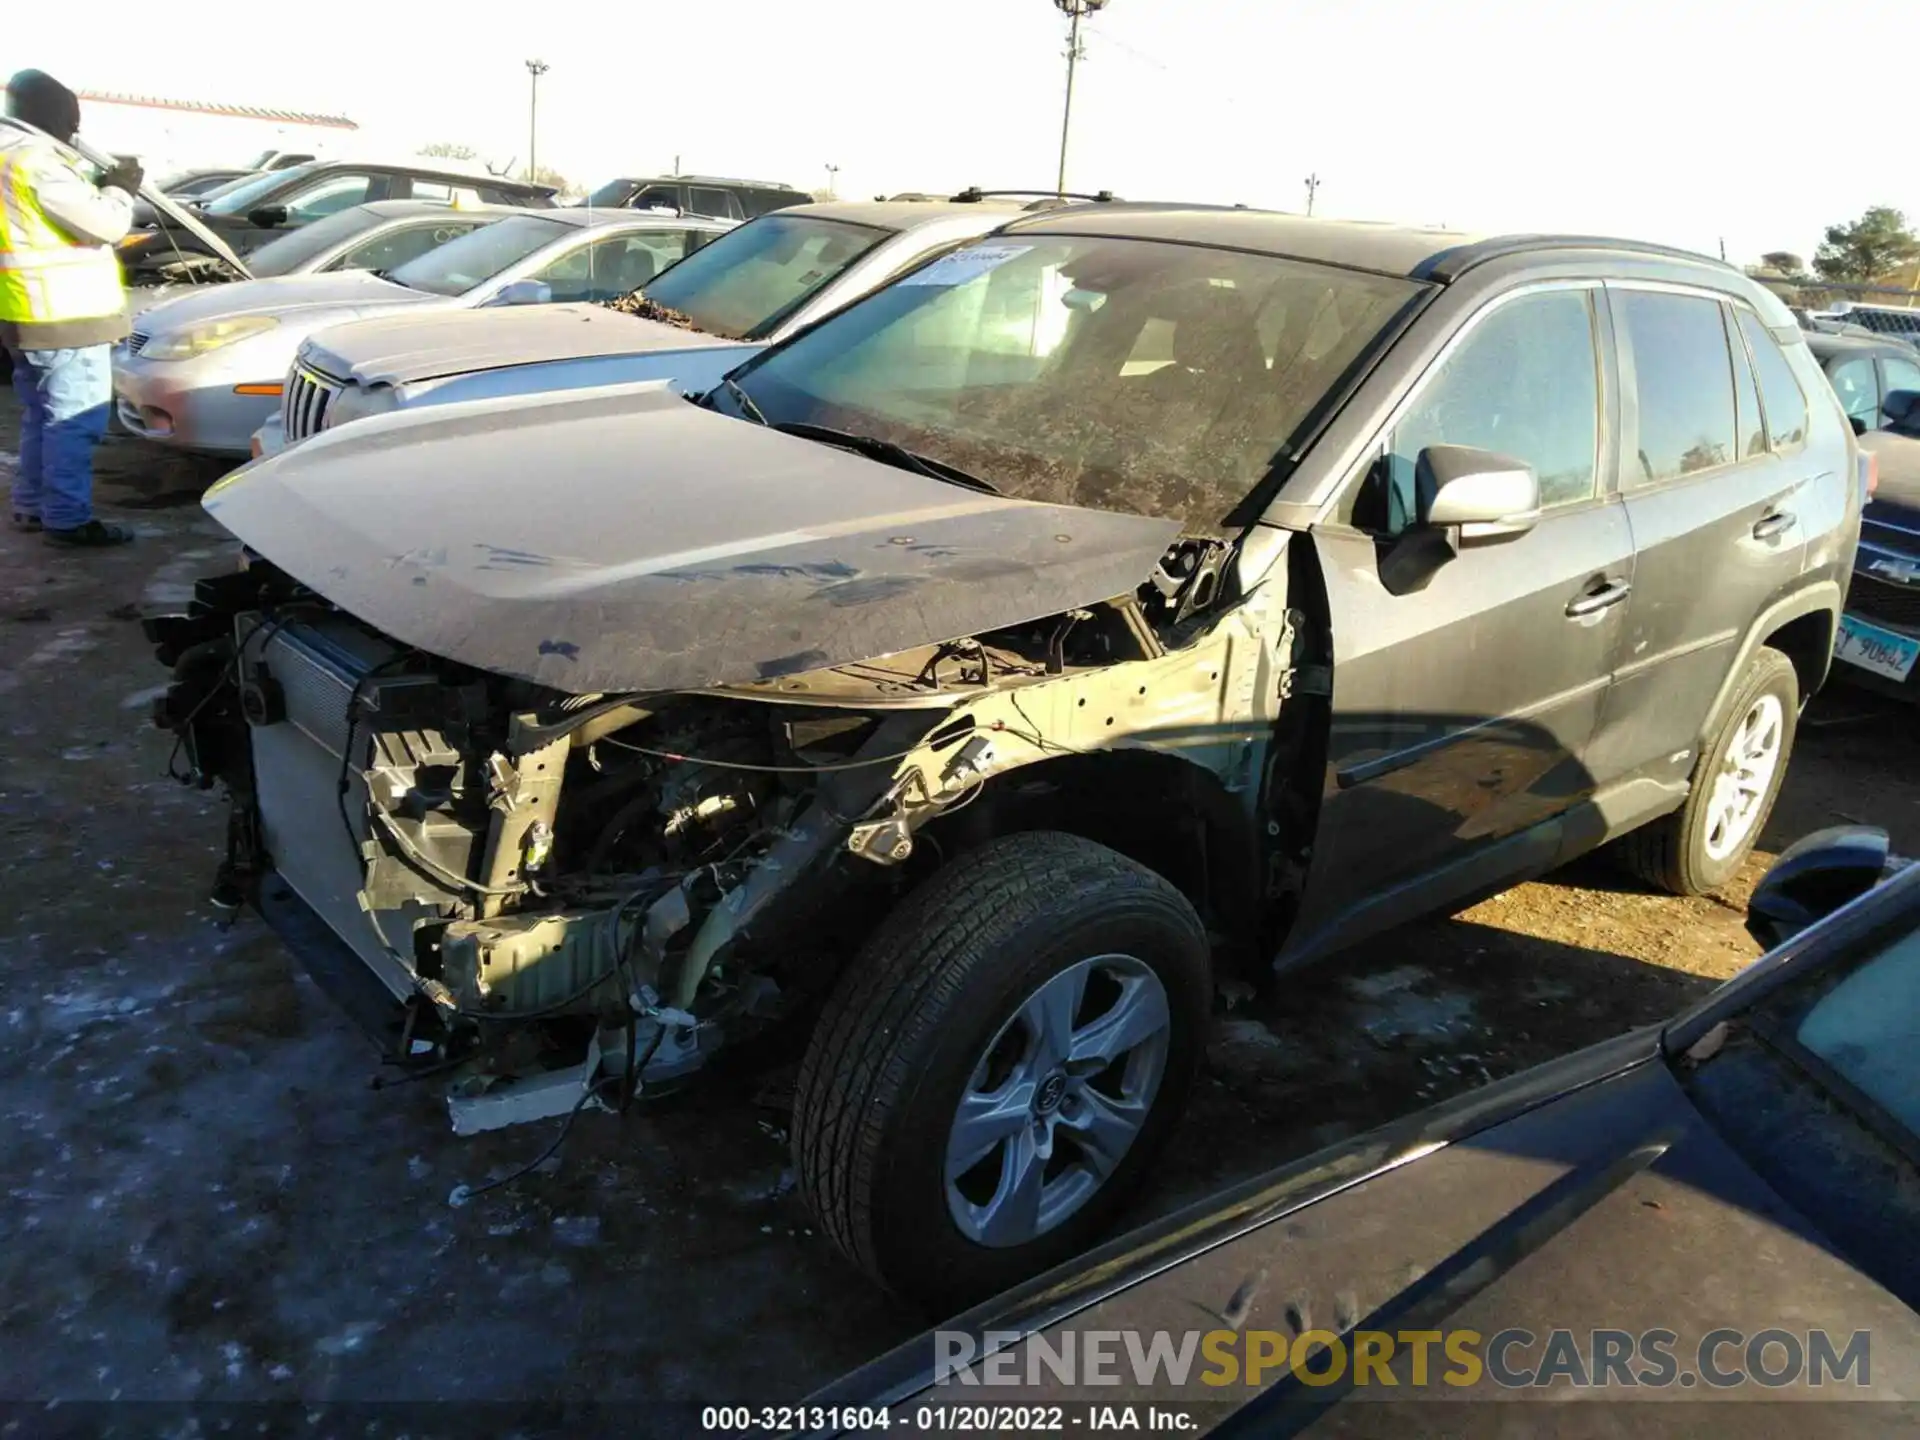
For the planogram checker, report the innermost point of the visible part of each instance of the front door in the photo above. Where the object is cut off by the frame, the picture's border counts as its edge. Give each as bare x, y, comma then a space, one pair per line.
1462, 706
1714, 490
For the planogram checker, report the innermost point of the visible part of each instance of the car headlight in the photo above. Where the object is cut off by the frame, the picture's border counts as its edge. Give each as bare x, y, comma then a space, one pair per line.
185, 344
358, 402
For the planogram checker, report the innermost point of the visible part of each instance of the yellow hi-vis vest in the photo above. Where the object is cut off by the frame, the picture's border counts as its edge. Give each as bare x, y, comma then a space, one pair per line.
46, 278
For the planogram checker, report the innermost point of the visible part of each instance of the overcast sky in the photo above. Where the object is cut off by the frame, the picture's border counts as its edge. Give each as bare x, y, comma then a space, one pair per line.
1670, 120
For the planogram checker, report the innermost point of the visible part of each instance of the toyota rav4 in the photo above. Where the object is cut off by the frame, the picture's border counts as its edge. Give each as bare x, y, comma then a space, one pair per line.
1135, 595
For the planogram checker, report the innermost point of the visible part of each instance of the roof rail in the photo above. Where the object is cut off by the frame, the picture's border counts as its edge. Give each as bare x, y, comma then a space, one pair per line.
973, 195
1449, 265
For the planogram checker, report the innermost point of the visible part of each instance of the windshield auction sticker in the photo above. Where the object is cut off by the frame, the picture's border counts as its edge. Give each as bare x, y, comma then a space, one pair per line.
964, 265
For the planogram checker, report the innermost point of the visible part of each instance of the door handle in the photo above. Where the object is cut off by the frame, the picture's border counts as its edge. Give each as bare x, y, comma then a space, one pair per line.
1592, 602
1776, 523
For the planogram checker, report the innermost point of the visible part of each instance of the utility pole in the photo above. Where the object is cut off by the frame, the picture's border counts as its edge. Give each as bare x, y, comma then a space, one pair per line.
1313, 188
1075, 10
535, 69
833, 181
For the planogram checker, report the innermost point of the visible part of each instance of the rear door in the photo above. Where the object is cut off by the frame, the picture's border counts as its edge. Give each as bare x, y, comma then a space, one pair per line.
1463, 704
1714, 498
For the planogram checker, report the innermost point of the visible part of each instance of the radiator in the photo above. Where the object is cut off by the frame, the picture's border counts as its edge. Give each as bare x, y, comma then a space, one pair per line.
313, 834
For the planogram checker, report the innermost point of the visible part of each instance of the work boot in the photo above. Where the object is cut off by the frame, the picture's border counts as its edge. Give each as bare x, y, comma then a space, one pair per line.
94, 535
28, 523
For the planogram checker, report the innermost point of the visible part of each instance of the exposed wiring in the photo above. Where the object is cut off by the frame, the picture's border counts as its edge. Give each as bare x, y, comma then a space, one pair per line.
628, 1083
759, 769
1034, 737
541, 1012
229, 674
464, 1193
435, 870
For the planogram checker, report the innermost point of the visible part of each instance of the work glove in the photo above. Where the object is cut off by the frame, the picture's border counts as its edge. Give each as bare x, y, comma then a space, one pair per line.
125, 174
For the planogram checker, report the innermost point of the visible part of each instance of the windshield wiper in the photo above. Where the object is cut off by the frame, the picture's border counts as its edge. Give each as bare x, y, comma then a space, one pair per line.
745, 401
888, 453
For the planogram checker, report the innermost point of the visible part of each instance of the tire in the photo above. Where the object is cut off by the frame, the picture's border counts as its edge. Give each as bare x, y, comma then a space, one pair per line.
1688, 852
942, 1002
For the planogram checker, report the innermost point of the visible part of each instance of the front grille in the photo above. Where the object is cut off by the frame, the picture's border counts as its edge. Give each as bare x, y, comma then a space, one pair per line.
1878, 599
137, 341
309, 395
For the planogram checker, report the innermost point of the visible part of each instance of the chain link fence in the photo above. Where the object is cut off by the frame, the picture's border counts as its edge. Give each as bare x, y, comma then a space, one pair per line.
1886, 309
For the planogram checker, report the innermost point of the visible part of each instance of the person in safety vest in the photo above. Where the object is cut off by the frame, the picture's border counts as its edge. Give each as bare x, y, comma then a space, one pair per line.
62, 305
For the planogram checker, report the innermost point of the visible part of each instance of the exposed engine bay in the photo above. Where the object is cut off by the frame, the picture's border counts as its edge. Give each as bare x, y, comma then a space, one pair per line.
569, 896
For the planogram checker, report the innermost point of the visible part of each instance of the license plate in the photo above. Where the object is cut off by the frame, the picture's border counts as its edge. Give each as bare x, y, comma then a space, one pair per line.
1880, 651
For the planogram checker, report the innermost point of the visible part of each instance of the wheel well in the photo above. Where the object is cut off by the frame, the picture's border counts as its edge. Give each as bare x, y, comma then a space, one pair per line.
1166, 813
1808, 642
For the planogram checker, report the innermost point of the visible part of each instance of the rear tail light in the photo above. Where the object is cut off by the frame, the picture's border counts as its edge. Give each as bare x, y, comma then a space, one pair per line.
1869, 474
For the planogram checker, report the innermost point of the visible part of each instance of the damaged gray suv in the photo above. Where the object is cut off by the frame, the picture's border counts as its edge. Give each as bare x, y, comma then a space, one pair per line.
1130, 598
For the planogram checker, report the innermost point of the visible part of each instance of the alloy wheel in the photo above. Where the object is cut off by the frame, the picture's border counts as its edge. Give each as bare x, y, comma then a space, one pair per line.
1057, 1099
1745, 777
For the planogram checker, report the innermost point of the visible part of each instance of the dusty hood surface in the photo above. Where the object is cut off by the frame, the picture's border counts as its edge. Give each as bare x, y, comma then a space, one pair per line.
283, 295
623, 539
396, 349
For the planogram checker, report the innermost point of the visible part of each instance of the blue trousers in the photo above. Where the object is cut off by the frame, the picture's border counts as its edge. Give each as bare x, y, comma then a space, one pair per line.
64, 395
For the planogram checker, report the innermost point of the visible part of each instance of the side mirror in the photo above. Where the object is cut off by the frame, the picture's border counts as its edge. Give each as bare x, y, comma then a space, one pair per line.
1483, 495
523, 292
268, 217
1901, 407
1814, 877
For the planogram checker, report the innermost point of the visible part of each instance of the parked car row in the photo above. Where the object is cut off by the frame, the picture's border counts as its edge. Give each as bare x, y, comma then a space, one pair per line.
1037, 620
1878, 382
206, 369
260, 209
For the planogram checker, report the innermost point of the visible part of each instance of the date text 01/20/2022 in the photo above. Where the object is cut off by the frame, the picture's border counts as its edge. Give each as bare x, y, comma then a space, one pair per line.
945, 1419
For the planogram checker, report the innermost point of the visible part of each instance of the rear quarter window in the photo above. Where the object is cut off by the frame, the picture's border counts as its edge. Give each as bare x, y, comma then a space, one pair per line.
1781, 397
1683, 384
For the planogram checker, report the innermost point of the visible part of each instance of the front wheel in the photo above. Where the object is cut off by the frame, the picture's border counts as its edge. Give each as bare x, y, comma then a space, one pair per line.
1735, 782
1000, 1065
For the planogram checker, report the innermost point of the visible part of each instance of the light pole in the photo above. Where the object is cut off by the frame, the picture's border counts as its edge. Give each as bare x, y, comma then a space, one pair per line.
535, 69
1075, 10
833, 181
1313, 188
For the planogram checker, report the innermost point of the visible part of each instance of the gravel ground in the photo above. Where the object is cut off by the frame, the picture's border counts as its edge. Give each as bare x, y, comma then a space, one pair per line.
209, 1200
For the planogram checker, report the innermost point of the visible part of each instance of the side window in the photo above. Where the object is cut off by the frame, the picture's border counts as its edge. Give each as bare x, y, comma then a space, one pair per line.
445, 194
326, 197
1752, 438
1858, 388
720, 204
616, 266
1899, 375
396, 247
1683, 377
1781, 397
655, 195
1524, 382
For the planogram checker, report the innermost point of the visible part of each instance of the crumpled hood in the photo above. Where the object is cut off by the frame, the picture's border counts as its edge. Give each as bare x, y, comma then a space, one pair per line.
284, 296
397, 349
621, 538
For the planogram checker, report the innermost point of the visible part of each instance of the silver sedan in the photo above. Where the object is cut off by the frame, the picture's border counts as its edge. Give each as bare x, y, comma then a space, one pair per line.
382, 235
203, 371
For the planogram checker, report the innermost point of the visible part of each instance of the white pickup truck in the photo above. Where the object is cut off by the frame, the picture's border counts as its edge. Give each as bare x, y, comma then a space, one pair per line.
751, 287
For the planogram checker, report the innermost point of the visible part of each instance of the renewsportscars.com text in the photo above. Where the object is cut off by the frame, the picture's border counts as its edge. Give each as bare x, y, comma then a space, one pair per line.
1511, 1359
